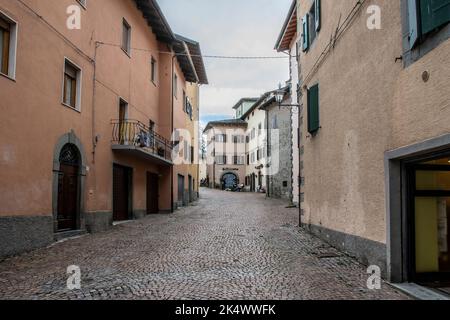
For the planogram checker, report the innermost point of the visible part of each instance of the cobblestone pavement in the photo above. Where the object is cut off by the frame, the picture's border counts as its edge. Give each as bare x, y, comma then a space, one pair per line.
226, 246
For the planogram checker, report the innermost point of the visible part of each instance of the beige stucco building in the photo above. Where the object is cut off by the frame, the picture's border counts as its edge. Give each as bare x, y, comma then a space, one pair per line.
88, 115
226, 151
375, 138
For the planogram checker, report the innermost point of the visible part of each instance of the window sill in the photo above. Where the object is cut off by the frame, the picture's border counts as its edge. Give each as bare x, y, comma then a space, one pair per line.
70, 107
7, 77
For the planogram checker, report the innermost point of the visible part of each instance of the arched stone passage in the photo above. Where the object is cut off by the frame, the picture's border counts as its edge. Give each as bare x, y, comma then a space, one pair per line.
229, 180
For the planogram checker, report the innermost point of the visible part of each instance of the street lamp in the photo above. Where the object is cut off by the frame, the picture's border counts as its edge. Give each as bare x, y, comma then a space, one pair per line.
279, 96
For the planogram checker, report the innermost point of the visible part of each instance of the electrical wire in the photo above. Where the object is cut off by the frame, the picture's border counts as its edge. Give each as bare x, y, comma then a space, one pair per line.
338, 34
200, 56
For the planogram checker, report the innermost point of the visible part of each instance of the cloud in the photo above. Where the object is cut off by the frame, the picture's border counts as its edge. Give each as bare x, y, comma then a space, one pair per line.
235, 28
220, 101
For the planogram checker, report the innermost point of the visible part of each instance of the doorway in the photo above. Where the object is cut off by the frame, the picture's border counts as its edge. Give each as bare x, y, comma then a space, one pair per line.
181, 189
428, 220
68, 189
191, 191
122, 186
152, 193
229, 181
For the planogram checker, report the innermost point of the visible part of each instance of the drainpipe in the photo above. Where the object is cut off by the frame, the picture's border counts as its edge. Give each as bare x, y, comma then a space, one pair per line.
267, 152
172, 129
94, 92
214, 159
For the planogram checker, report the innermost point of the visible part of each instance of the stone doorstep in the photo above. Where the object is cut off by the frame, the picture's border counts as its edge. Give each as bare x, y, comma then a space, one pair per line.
419, 292
62, 236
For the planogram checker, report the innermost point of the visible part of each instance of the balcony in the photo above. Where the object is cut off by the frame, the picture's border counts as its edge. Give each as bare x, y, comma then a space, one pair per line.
133, 138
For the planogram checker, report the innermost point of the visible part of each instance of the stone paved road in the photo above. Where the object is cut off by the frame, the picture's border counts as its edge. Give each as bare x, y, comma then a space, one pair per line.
227, 246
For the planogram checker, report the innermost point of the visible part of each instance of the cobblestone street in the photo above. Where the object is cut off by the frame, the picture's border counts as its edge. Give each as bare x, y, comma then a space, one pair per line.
226, 246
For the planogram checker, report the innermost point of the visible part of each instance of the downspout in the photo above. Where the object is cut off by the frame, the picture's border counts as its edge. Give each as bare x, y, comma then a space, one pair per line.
267, 153
94, 92
172, 130
198, 141
214, 159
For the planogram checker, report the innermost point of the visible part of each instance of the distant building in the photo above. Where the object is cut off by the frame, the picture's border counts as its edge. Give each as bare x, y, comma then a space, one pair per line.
243, 105
255, 148
226, 153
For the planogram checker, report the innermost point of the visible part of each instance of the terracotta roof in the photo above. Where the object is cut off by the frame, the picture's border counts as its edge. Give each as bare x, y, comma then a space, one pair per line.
190, 59
156, 20
289, 30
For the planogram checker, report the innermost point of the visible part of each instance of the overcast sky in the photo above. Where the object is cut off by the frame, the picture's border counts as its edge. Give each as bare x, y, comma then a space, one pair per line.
232, 27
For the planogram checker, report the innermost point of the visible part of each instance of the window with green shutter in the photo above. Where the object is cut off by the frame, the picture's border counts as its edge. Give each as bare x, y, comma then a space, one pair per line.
313, 109
305, 36
433, 14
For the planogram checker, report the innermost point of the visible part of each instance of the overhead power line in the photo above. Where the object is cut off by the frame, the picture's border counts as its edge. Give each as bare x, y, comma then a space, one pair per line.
202, 56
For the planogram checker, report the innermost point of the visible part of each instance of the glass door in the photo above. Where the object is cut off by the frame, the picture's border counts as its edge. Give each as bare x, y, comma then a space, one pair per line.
431, 221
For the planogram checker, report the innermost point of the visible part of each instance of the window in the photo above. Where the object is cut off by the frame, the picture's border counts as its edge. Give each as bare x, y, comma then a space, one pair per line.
259, 129
126, 37
72, 85
175, 85
192, 155
185, 150
313, 109
311, 24
123, 134
221, 138
424, 16
275, 122
153, 70
252, 158
248, 159
238, 160
238, 139
8, 40
221, 160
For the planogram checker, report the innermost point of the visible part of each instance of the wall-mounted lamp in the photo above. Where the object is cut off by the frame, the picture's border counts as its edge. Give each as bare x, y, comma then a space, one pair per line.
279, 96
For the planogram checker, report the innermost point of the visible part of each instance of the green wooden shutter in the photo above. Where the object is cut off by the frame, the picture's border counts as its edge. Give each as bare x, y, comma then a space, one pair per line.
413, 23
313, 109
305, 25
434, 13
317, 9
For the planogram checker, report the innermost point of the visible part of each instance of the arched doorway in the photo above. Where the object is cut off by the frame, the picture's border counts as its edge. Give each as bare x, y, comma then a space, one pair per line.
68, 188
229, 181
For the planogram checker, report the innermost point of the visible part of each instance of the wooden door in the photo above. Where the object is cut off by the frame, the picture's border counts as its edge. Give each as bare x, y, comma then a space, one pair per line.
180, 188
190, 189
121, 193
152, 193
67, 197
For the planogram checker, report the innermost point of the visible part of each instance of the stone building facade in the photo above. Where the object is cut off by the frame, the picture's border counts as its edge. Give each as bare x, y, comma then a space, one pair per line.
279, 146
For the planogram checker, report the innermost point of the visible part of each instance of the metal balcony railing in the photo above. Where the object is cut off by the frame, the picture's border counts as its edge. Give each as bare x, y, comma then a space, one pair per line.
135, 134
